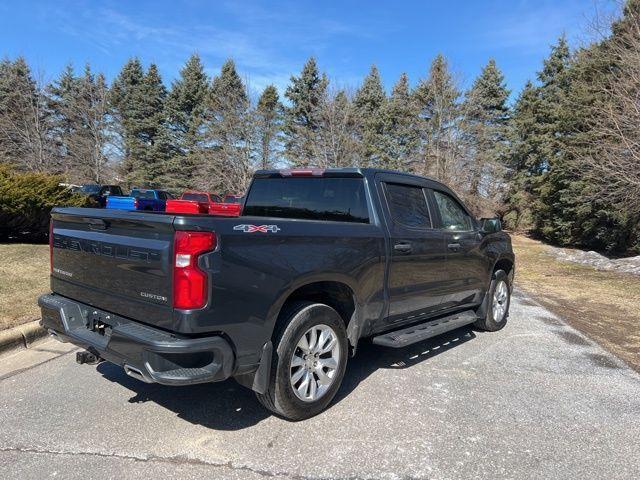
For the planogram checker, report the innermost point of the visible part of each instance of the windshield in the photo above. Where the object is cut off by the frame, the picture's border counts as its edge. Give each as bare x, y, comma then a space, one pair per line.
232, 199
89, 189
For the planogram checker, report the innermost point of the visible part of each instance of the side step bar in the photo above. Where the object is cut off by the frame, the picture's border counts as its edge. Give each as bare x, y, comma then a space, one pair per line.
422, 331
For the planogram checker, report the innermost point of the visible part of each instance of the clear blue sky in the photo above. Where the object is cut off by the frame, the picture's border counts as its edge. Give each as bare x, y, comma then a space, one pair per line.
271, 40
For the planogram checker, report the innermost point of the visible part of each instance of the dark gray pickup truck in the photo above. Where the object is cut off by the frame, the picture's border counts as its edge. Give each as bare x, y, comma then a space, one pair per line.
279, 297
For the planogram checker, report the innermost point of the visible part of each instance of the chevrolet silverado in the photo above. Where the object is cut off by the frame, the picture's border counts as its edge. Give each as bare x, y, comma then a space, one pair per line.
279, 297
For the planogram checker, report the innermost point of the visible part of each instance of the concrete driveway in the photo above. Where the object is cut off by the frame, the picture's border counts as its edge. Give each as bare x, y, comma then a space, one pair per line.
535, 400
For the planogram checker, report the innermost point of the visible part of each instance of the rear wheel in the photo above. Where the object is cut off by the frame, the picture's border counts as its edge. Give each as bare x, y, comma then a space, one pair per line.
309, 361
499, 302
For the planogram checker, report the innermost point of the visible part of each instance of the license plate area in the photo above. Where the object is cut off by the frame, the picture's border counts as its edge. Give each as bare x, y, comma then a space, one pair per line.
99, 322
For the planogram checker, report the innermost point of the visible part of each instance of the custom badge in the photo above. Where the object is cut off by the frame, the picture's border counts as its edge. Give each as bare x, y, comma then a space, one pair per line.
257, 228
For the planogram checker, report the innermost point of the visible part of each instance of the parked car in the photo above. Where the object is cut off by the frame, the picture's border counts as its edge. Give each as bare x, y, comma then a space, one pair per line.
99, 192
141, 199
281, 296
203, 202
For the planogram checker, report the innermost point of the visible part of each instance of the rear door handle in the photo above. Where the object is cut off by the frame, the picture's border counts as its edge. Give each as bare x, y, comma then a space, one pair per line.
403, 247
454, 246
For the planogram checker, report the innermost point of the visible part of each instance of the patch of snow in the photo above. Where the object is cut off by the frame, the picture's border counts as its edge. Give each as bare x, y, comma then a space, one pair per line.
598, 261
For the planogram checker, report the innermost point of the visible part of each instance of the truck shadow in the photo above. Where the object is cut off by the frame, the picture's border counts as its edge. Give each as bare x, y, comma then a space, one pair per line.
228, 406
370, 358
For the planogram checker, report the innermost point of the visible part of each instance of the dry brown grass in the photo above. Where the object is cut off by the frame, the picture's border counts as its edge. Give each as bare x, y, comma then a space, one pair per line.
24, 274
603, 305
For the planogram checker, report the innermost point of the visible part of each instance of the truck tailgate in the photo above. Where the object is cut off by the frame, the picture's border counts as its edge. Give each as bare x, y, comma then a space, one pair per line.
122, 203
116, 261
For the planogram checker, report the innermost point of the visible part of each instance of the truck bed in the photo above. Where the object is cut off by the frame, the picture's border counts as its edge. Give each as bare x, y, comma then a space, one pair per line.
122, 262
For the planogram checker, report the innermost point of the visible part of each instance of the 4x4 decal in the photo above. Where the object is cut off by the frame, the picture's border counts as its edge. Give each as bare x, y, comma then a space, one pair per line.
257, 228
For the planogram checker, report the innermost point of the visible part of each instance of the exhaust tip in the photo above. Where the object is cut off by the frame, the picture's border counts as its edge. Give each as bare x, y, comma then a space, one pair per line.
135, 373
54, 334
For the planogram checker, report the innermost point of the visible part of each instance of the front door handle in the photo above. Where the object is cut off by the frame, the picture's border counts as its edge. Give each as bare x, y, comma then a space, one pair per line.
403, 247
454, 246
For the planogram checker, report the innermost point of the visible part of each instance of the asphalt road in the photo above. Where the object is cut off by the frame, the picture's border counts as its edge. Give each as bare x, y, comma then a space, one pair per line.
535, 400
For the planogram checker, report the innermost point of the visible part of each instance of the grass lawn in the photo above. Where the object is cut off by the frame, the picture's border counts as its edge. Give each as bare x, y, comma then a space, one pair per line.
24, 274
603, 305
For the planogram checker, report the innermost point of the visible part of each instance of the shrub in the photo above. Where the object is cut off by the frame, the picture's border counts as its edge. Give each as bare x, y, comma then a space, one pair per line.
26, 200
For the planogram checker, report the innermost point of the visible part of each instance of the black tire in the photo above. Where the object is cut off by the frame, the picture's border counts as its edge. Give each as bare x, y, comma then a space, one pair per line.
295, 321
489, 323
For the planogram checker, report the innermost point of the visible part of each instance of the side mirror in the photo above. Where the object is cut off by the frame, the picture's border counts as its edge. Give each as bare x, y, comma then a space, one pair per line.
490, 225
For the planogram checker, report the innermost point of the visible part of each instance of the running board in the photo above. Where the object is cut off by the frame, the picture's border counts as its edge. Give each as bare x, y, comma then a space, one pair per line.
422, 331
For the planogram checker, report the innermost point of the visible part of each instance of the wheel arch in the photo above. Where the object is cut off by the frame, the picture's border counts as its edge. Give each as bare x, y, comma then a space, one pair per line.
507, 264
338, 293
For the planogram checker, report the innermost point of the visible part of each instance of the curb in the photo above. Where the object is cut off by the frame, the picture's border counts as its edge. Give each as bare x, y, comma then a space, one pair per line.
22, 336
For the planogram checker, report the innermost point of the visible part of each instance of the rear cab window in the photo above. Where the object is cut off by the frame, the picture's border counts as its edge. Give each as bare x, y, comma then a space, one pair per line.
196, 197
309, 198
408, 205
143, 193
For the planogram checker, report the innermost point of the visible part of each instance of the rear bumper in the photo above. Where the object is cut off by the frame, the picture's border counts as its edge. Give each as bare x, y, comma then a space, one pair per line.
146, 353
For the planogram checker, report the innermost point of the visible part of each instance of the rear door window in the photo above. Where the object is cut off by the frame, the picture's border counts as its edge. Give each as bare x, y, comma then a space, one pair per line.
331, 199
408, 205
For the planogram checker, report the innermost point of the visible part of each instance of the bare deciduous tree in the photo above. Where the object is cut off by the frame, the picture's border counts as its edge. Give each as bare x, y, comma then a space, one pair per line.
25, 127
612, 166
336, 145
87, 143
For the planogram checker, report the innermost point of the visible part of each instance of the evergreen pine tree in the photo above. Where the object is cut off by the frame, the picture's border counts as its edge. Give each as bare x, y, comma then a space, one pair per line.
61, 94
229, 168
401, 134
186, 111
437, 101
268, 115
153, 127
485, 121
550, 216
301, 116
523, 165
370, 101
128, 106
138, 103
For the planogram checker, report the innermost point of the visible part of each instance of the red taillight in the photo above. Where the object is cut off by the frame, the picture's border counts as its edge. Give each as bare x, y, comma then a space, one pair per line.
51, 245
303, 172
189, 282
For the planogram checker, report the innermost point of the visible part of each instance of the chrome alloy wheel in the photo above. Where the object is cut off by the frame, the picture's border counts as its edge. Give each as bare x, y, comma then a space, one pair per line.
314, 363
500, 300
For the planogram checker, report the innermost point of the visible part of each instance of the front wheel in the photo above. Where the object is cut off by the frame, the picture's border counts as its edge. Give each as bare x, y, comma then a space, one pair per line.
499, 302
309, 361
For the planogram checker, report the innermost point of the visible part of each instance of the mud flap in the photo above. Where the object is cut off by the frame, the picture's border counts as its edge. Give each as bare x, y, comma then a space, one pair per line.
258, 381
